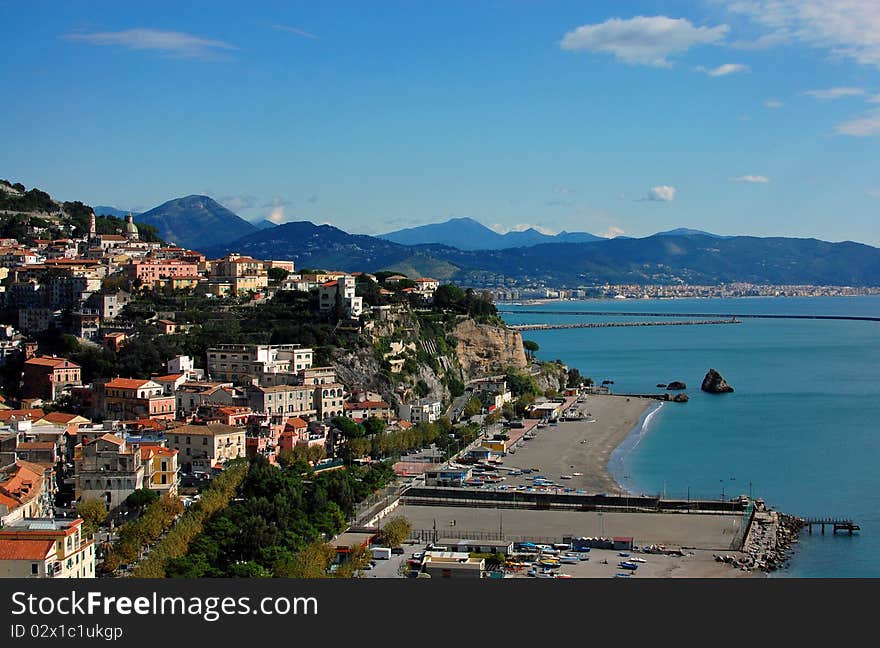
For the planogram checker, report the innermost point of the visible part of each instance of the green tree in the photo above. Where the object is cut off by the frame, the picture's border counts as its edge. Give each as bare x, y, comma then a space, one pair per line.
93, 512
349, 429
396, 531
531, 348
312, 561
358, 558
422, 389
277, 275
374, 425
474, 406
141, 498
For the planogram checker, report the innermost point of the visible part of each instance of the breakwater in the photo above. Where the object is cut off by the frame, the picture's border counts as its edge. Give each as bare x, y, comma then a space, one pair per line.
858, 318
547, 327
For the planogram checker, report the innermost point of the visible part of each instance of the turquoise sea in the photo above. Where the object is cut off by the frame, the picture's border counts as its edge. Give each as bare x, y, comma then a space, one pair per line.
800, 430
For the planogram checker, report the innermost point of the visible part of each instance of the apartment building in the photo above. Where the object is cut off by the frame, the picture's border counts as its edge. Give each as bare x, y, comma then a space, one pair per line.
134, 398
108, 469
46, 548
203, 447
236, 361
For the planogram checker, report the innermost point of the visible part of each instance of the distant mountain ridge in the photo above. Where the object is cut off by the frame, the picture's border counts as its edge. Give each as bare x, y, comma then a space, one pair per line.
107, 210
196, 222
468, 234
658, 259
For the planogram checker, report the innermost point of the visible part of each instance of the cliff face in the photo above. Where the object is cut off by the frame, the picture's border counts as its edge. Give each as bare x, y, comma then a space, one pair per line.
485, 350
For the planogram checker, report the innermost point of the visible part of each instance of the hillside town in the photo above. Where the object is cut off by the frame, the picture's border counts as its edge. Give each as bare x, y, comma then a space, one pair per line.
77, 443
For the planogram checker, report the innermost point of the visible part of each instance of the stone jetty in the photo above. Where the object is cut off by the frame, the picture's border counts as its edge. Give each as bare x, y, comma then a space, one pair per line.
768, 544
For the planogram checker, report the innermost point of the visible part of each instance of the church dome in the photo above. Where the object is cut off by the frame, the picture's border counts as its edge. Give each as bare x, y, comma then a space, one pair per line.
131, 230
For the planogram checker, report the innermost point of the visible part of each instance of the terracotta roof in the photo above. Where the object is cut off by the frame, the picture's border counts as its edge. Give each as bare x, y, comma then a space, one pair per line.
47, 361
112, 438
147, 451
366, 405
426, 280
25, 549
168, 378
126, 383
296, 422
329, 284
62, 417
35, 445
212, 429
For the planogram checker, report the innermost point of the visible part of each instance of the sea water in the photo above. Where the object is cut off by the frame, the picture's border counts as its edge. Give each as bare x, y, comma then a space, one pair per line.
800, 430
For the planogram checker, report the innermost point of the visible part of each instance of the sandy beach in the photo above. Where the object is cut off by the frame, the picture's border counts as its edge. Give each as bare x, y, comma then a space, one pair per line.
582, 449
581, 446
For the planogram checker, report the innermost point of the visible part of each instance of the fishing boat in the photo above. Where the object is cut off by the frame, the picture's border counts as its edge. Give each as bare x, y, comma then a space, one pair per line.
569, 560
628, 565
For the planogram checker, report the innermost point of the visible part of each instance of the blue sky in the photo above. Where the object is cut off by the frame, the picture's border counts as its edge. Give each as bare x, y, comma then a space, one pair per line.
753, 117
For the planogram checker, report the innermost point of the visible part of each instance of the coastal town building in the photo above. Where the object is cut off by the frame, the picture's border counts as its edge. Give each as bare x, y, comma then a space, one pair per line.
107, 469
426, 410
341, 292
48, 377
204, 447
235, 362
134, 398
46, 548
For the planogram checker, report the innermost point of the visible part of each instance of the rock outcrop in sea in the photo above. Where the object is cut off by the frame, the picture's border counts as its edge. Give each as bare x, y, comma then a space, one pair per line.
680, 398
714, 383
675, 384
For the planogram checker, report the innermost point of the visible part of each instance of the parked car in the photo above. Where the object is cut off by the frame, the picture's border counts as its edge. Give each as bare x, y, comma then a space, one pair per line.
397, 551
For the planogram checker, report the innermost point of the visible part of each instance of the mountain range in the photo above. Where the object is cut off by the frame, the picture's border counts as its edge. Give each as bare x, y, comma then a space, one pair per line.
658, 259
106, 210
466, 251
468, 234
196, 222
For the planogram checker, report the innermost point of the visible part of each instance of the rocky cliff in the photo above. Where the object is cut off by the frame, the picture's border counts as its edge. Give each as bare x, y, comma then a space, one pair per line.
484, 350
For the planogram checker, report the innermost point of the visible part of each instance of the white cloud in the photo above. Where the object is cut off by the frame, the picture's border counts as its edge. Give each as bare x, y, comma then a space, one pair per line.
868, 125
560, 189
754, 179
276, 201
874, 99
723, 70
661, 193
174, 43
612, 231
276, 216
830, 94
874, 193
773, 103
642, 40
295, 30
766, 41
847, 28
236, 203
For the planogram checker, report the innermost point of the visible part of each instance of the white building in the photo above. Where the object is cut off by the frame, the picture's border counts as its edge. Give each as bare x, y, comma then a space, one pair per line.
345, 288
426, 410
235, 361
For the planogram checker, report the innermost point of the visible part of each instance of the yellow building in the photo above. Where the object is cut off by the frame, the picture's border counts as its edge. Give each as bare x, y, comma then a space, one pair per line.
46, 548
160, 469
207, 446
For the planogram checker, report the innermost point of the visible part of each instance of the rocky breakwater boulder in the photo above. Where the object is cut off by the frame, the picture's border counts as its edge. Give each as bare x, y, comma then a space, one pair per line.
714, 383
675, 385
680, 398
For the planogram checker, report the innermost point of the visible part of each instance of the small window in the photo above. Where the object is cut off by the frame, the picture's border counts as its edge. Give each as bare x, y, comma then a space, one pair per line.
35, 568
